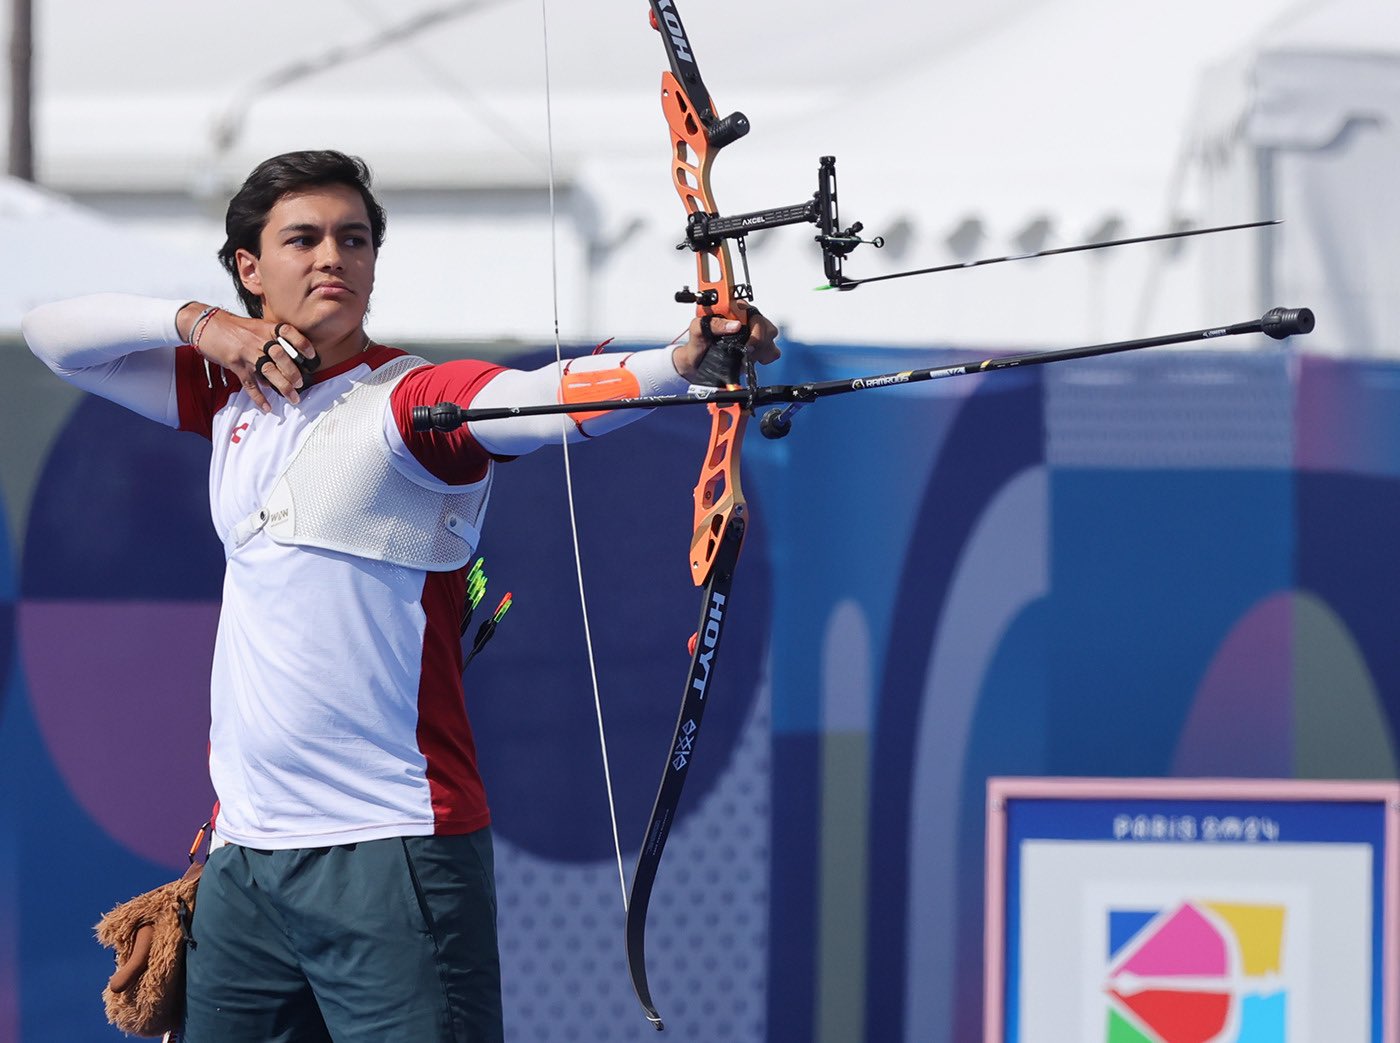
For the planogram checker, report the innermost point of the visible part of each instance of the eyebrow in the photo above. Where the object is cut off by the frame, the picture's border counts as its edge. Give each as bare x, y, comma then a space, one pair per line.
349, 226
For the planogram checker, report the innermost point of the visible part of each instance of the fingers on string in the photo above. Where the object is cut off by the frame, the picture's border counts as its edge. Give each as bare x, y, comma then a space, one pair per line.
277, 368
298, 348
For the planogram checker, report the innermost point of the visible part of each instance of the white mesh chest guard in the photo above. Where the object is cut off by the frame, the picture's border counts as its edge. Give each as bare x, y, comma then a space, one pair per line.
343, 490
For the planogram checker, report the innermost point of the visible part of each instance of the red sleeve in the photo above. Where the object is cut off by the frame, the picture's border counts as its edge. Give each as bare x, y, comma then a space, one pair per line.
452, 456
200, 392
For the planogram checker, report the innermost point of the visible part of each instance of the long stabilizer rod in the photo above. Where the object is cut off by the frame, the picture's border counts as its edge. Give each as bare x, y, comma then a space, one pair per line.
1277, 323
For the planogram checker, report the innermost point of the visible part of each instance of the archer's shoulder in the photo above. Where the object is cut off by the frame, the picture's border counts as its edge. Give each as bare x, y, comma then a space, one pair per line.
457, 380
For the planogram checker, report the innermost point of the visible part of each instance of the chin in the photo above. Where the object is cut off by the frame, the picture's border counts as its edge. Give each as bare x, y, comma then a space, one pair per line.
331, 319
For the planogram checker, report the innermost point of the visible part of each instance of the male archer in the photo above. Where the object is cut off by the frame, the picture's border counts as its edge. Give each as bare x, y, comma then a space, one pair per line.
350, 892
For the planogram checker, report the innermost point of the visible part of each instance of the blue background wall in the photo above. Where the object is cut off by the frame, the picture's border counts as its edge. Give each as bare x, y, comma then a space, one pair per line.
1156, 564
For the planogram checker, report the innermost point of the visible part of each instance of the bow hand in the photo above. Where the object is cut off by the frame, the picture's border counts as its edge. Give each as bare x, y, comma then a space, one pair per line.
718, 349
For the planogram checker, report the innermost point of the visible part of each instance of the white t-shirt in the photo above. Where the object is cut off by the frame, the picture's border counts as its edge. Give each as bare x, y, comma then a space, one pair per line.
337, 706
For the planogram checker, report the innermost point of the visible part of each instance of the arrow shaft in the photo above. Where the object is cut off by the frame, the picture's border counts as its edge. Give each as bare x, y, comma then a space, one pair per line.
850, 284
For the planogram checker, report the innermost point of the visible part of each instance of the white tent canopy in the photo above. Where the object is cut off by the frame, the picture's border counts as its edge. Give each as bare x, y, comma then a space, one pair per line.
1059, 125
1307, 128
960, 131
50, 248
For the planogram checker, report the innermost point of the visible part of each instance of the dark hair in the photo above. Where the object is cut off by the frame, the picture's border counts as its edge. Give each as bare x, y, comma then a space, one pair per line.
273, 179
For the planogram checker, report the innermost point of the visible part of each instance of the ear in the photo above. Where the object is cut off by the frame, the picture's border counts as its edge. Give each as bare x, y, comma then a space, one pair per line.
249, 273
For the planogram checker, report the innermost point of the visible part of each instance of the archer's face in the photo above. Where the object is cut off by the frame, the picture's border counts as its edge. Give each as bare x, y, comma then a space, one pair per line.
316, 268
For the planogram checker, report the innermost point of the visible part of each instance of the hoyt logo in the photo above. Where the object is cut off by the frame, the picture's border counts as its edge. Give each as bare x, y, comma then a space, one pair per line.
714, 623
700, 678
685, 745
673, 26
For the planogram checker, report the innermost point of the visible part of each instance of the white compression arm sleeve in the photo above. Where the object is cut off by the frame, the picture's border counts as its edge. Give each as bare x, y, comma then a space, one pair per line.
654, 370
116, 345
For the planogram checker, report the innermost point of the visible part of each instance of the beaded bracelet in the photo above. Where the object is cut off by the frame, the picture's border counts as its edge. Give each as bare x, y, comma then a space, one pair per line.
197, 330
195, 325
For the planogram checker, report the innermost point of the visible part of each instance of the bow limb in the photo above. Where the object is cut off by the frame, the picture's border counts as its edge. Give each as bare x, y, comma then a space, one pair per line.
721, 518
720, 510
714, 610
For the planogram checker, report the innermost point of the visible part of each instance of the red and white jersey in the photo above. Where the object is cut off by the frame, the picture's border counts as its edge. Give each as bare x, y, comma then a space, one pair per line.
336, 694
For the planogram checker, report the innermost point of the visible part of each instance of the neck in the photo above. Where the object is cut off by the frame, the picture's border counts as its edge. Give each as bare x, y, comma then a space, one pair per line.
333, 352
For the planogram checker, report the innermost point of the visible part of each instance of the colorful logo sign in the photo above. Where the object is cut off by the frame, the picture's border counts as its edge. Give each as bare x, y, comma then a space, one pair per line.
1196, 972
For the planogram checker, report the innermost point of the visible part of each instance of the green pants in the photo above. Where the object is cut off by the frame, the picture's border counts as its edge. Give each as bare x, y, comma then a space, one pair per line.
383, 940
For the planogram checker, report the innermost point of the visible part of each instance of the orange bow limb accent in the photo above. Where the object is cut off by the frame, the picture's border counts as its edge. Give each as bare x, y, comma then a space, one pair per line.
718, 494
693, 157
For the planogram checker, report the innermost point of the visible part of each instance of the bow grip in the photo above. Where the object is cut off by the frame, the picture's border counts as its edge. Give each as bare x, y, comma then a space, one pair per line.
723, 364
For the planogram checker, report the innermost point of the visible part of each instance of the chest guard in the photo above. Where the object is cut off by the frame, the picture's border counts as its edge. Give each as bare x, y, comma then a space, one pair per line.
344, 490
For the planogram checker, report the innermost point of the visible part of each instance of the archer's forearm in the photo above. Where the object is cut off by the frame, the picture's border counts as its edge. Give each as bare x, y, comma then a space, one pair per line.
591, 378
118, 346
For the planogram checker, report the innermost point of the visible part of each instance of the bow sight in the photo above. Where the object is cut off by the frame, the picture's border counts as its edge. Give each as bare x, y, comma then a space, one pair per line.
706, 231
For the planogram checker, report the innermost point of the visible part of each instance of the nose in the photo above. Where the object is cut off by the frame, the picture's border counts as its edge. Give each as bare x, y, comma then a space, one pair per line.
328, 255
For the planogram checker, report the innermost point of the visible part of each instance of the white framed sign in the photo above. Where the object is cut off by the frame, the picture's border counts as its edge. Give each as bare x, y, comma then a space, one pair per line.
1191, 911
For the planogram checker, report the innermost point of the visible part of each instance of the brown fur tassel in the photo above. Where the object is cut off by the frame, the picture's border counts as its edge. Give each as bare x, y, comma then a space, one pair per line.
146, 994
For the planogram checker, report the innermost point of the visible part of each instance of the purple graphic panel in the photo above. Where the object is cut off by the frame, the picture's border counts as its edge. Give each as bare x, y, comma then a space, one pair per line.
1347, 418
7, 604
1241, 723
120, 692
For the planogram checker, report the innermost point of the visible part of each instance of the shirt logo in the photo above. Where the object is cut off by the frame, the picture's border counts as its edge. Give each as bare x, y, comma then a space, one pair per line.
236, 437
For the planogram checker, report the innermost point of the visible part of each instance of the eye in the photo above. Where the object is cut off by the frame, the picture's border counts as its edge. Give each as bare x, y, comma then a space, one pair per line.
299, 240
356, 241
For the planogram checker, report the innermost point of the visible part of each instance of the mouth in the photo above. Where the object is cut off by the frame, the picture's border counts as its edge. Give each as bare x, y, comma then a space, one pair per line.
333, 290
